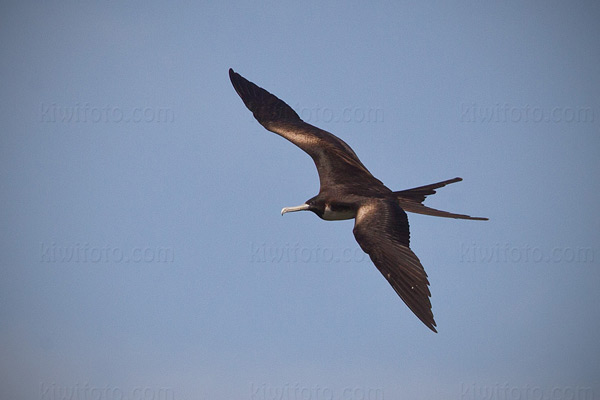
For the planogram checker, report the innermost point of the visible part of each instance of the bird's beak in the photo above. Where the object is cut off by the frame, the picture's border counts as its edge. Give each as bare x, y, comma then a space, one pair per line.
303, 207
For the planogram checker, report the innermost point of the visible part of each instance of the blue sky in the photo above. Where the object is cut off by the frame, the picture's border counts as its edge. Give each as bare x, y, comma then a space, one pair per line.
143, 255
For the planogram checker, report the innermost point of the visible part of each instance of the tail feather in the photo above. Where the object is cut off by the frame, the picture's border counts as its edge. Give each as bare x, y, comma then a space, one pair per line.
411, 200
418, 194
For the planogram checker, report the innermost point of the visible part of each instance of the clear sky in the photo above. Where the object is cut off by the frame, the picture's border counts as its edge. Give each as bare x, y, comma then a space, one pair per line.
142, 251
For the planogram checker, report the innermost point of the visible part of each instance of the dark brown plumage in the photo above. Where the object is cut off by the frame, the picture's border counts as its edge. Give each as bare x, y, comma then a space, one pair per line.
348, 190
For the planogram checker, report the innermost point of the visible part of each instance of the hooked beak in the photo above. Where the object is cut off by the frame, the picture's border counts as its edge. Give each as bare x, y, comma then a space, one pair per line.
303, 207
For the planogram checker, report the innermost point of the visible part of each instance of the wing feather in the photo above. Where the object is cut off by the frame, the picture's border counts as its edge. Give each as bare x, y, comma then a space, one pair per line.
336, 162
381, 229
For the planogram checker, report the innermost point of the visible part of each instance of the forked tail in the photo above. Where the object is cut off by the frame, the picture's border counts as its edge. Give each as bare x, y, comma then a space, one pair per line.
411, 200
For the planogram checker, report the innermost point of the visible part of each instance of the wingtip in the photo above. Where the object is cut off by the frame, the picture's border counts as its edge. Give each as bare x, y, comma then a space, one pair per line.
237, 81
428, 321
479, 218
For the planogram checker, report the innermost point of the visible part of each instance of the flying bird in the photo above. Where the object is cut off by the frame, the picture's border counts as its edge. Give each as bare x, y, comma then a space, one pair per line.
348, 190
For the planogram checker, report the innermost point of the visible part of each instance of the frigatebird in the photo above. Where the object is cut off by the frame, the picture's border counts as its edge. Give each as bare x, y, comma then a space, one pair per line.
348, 190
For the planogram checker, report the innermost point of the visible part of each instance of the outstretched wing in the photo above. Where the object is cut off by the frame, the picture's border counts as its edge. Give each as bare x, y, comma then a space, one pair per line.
336, 162
381, 230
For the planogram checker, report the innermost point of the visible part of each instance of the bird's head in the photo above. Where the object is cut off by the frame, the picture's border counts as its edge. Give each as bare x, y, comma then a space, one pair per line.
310, 205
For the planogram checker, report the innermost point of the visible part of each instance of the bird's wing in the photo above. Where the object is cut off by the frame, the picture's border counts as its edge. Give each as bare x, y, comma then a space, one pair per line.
381, 230
336, 162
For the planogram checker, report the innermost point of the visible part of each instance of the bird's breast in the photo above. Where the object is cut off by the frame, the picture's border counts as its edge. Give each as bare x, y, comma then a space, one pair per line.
337, 212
